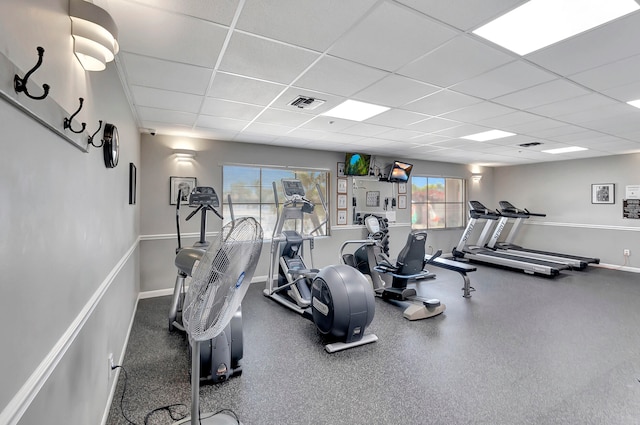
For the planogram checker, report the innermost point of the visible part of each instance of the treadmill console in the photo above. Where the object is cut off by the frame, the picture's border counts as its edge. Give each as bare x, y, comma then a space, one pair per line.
204, 195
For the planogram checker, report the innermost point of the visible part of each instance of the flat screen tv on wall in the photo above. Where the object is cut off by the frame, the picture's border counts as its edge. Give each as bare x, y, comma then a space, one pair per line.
357, 164
399, 172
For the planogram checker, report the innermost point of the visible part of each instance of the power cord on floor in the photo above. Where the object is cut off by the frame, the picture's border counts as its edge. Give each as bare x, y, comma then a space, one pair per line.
175, 416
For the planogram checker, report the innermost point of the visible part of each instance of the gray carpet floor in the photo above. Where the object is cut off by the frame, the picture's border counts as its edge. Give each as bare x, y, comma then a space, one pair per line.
523, 350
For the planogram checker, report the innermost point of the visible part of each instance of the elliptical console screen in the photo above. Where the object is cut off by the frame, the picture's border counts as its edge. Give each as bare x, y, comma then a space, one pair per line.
292, 188
204, 195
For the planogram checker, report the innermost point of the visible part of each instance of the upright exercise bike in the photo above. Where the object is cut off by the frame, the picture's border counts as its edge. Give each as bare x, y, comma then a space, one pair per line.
336, 298
219, 357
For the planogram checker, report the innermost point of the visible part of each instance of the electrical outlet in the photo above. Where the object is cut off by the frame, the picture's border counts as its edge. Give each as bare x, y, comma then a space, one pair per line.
626, 253
111, 365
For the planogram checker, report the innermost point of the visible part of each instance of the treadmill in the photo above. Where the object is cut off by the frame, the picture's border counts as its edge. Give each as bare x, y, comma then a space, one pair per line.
510, 212
480, 253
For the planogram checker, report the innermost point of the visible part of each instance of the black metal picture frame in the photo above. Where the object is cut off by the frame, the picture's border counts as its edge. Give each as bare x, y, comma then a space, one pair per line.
133, 176
603, 193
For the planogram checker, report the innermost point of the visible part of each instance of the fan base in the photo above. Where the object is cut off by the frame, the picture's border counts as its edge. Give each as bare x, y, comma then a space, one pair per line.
218, 419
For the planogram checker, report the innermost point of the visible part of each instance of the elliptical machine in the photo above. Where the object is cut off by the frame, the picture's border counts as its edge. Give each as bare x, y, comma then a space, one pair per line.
389, 281
219, 357
336, 298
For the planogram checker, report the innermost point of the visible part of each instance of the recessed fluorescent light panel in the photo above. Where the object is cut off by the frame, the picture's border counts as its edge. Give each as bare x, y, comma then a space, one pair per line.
540, 23
355, 111
635, 103
488, 135
565, 150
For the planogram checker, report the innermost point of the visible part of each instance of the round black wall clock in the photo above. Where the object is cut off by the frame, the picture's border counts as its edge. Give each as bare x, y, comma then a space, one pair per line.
111, 148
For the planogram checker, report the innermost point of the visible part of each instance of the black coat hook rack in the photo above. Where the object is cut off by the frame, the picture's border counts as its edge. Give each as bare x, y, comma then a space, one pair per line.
68, 121
94, 135
20, 84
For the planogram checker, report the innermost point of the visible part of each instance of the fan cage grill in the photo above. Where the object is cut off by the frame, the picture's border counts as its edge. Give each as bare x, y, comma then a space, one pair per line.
221, 278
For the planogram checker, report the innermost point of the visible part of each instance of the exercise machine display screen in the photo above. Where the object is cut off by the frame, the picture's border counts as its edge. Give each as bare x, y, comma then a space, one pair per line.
292, 188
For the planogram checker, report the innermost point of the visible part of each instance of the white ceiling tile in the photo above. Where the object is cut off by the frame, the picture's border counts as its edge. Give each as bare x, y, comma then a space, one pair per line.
267, 129
624, 93
366, 130
149, 72
432, 125
378, 43
341, 138
542, 94
312, 24
338, 76
282, 117
428, 139
330, 124
395, 90
504, 122
242, 89
207, 121
261, 58
478, 112
576, 104
531, 128
165, 116
215, 11
457, 60
462, 130
441, 102
506, 79
397, 118
401, 135
227, 109
182, 38
605, 44
610, 75
463, 14
594, 114
164, 99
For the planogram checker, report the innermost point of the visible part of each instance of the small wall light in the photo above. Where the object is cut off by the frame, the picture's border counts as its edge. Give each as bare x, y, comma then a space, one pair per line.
476, 177
95, 35
184, 154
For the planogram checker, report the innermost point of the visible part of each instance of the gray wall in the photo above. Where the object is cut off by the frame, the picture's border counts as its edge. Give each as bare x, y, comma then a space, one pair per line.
158, 240
562, 190
68, 238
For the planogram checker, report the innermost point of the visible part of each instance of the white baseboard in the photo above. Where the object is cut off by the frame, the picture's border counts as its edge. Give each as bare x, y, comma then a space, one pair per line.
116, 376
169, 291
617, 267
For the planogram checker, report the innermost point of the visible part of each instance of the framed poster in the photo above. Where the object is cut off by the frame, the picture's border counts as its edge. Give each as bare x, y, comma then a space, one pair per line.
183, 184
342, 201
603, 193
342, 217
402, 202
402, 187
342, 185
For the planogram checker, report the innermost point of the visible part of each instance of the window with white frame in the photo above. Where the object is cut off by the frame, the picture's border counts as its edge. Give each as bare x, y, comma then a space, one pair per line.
251, 190
437, 202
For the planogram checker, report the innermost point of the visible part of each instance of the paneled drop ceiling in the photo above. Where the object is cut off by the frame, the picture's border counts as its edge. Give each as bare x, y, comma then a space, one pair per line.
228, 70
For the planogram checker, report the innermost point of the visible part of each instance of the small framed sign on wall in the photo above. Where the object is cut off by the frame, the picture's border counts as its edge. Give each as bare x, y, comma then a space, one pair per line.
603, 193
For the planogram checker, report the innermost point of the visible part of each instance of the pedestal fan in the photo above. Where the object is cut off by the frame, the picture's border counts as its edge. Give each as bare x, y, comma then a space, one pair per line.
219, 282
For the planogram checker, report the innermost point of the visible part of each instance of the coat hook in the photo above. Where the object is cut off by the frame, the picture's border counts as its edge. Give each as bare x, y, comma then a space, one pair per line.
20, 84
67, 121
94, 135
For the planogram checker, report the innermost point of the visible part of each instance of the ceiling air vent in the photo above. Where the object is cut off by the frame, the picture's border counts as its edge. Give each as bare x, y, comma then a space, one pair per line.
530, 144
305, 102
